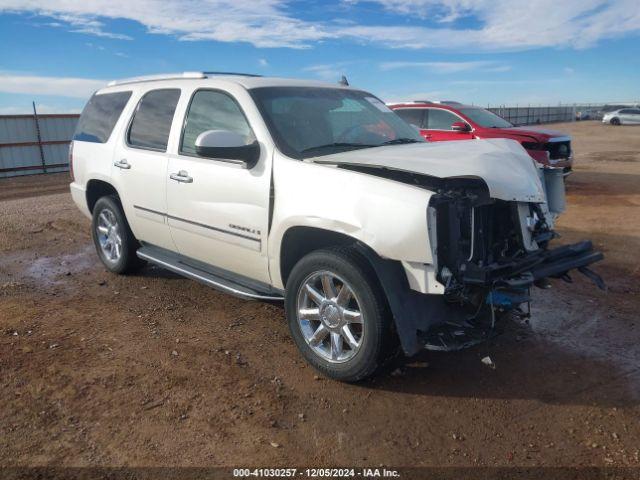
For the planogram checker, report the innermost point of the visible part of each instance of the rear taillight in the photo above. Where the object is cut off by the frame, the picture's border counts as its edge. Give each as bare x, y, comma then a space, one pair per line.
71, 161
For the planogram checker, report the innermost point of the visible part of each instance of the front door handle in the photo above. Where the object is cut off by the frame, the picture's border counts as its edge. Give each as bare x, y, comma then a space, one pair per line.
122, 164
182, 176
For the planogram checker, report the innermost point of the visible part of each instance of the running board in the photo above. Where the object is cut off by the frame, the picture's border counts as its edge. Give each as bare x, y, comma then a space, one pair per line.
211, 276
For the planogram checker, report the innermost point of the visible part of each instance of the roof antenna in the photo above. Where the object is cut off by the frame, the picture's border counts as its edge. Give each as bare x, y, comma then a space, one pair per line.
343, 81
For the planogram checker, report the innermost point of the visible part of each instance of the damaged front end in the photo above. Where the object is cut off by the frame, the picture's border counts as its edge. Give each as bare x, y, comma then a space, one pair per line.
489, 254
490, 226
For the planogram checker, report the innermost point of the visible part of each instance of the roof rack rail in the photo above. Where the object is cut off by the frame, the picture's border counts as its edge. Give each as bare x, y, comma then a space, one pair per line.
174, 76
408, 102
162, 76
233, 74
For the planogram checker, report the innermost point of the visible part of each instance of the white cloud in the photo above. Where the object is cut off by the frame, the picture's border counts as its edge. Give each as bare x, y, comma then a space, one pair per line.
505, 25
408, 97
439, 10
328, 71
263, 62
540, 81
41, 109
15, 110
82, 24
59, 86
262, 23
103, 49
502, 25
448, 67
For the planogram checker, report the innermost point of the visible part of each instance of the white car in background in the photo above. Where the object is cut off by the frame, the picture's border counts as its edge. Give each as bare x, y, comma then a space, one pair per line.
319, 196
624, 116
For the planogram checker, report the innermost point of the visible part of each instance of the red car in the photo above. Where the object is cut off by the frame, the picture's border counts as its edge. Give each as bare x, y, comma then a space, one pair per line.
455, 121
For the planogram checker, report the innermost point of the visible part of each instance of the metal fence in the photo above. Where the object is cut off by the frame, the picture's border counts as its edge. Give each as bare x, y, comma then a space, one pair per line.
536, 115
35, 143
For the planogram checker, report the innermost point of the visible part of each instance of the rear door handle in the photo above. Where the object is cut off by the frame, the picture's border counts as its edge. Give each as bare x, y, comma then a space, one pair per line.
182, 176
122, 164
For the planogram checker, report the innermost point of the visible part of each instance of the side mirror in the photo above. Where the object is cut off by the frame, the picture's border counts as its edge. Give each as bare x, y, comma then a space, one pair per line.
460, 127
227, 146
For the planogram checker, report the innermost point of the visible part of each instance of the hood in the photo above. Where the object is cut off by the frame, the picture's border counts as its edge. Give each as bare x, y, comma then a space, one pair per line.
506, 168
540, 134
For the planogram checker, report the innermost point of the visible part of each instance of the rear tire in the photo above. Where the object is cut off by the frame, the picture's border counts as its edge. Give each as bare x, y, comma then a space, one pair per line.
346, 336
615, 121
112, 237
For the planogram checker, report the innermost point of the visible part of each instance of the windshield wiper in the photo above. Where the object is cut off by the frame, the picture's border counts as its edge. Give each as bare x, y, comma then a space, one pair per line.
400, 141
337, 145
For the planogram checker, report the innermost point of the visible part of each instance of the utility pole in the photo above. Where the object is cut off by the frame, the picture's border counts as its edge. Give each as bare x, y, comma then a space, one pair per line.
35, 118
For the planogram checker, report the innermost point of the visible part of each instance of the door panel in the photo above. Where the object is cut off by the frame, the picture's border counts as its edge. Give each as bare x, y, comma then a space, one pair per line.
140, 167
142, 190
220, 217
438, 123
633, 117
624, 116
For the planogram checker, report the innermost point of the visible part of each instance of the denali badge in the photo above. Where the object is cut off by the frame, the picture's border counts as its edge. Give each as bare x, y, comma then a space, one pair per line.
245, 229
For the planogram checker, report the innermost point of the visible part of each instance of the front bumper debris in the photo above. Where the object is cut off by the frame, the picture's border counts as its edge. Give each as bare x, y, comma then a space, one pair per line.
523, 272
507, 289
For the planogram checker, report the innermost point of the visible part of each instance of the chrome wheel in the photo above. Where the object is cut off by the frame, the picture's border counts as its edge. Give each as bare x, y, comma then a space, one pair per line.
109, 235
330, 317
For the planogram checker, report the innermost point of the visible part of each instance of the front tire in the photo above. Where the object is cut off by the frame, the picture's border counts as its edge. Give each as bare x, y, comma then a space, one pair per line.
615, 121
338, 315
112, 237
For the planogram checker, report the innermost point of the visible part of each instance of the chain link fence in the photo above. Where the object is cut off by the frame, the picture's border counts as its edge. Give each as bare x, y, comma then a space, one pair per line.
535, 115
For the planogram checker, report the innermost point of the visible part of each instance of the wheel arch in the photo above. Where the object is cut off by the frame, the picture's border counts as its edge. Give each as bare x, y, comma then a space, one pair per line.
412, 312
96, 189
298, 241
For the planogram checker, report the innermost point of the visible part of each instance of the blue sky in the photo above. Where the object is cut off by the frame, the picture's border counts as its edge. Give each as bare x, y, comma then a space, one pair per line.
57, 52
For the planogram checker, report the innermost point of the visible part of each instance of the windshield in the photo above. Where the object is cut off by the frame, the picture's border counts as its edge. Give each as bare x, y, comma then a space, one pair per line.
308, 122
485, 118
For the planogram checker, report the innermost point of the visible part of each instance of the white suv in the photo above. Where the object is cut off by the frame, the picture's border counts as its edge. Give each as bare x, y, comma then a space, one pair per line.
320, 196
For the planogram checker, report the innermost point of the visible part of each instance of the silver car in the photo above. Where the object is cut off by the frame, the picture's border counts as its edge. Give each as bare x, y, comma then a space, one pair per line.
624, 116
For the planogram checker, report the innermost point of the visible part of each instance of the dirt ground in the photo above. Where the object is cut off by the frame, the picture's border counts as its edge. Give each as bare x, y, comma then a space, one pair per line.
153, 369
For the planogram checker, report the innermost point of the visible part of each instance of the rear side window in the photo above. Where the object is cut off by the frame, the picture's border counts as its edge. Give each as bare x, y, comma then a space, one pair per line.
152, 120
413, 116
100, 116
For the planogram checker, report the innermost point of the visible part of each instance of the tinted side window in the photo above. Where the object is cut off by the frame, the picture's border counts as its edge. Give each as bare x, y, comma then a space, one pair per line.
211, 110
412, 116
626, 110
151, 123
441, 119
100, 116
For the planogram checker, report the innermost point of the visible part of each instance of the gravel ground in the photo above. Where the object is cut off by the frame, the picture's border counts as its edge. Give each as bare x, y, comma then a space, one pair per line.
156, 370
